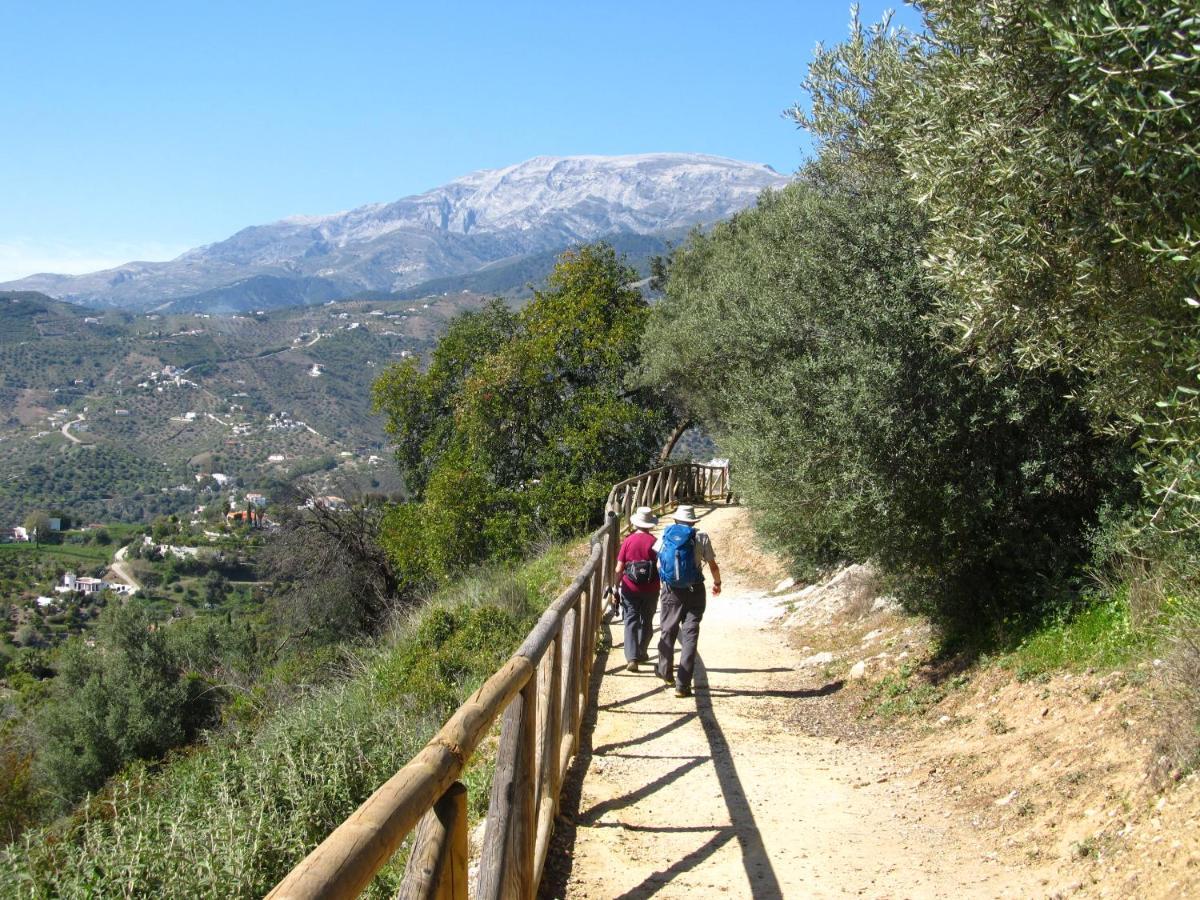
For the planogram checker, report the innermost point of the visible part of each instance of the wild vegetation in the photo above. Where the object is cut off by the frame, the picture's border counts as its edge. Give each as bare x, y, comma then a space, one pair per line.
193, 712
963, 344
521, 422
232, 816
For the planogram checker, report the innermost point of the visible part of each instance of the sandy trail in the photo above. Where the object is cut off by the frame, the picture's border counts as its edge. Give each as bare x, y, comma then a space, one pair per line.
121, 569
66, 430
714, 795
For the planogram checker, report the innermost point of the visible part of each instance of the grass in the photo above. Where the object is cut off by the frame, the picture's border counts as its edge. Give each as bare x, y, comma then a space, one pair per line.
230, 818
68, 552
1098, 636
906, 692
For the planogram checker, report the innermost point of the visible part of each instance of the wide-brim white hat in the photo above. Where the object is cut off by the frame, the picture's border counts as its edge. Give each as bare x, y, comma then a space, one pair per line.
643, 518
685, 514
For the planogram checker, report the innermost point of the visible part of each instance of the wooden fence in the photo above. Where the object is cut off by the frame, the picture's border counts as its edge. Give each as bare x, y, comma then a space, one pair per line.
541, 692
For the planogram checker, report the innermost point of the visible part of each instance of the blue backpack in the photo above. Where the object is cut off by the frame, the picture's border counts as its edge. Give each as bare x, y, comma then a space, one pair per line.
677, 565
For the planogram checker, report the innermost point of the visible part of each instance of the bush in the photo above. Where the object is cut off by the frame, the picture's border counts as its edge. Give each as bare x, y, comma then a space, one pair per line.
233, 817
798, 332
124, 700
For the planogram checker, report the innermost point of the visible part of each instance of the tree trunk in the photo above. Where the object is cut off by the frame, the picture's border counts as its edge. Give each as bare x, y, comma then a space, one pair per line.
669, 446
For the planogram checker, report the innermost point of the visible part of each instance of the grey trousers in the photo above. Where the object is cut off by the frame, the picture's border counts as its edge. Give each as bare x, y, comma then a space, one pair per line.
638, 612
680, 612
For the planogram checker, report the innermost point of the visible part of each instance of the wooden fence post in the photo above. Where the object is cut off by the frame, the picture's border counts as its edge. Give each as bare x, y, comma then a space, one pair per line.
506, 867
549, 774
437, 866
570, 663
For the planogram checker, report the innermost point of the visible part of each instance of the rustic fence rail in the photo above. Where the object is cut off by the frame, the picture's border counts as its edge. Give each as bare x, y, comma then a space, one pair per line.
541, 692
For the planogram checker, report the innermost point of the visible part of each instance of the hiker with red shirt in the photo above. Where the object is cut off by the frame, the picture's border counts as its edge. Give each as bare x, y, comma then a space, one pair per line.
638, 586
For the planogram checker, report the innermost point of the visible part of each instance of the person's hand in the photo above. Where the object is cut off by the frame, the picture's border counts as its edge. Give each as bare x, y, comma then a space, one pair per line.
716, 588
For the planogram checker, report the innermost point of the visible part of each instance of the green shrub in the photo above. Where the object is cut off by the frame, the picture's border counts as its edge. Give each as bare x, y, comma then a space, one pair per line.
124, 700
798, 333
232, 817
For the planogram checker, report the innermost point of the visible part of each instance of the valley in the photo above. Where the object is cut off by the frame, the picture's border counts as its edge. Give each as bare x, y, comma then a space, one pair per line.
111, 416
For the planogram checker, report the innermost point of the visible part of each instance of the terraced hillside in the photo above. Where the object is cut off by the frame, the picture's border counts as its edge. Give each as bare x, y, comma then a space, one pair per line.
116, 416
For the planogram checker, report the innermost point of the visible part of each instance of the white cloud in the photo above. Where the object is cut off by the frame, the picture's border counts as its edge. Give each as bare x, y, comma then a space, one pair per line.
21, 258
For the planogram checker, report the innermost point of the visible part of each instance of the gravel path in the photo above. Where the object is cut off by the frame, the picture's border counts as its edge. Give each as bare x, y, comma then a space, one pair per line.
717, 795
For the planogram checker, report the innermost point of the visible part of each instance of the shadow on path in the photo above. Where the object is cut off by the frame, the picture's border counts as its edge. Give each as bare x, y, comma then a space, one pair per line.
561, 857
764, 885
799, 694
760, 875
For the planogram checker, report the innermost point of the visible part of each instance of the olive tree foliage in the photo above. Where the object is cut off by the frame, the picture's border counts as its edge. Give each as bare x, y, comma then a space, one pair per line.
798, 333
1052, 146
128, 697
520, 421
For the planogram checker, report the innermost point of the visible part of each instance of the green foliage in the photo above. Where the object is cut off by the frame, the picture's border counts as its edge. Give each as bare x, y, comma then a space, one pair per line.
125, 699
420, 406
1052, 147
1097, 635
232, 817
907, 692
798, 332
521, 421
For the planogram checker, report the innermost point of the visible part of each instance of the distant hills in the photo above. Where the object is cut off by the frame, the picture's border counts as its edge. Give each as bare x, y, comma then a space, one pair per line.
490, 231
154, 400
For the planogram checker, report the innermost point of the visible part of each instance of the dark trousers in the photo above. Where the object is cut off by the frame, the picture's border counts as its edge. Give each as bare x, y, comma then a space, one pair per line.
638, 612
679, 616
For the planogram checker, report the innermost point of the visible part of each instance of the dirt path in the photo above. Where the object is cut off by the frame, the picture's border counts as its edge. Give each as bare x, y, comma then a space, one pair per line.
121, 569
66, 430
719, 795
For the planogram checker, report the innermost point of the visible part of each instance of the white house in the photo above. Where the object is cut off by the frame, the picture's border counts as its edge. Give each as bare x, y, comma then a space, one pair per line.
91, 585
326, 502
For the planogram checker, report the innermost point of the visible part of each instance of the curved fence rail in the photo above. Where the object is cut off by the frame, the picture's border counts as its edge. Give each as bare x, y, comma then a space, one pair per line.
541, 692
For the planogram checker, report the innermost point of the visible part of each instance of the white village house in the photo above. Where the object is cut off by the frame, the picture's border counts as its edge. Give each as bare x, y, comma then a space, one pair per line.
87, 585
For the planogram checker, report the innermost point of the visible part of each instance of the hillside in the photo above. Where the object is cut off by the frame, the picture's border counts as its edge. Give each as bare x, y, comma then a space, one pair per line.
114, 416
495, 217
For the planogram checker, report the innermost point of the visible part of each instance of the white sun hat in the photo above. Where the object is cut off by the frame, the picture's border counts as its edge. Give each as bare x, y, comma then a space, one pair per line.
685, 514
643, 518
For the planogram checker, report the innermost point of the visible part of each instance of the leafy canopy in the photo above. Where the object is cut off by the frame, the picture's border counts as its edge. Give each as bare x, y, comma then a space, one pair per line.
798, 332
1052, 146
521, 421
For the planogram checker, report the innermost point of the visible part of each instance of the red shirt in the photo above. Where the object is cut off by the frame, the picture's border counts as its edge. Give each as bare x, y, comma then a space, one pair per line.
639, 545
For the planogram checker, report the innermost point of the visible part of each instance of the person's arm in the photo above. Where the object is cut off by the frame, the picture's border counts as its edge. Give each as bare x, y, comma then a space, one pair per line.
716, 574
620, 570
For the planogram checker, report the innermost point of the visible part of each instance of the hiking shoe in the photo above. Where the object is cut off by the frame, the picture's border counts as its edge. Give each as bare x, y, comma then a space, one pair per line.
631, 666
682, 691
668, 680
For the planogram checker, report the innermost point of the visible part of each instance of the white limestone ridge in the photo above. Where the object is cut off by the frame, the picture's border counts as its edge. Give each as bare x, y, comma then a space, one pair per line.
542, 204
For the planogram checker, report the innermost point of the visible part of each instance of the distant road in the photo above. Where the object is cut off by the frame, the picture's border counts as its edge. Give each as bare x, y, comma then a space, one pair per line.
66, 430
121, 569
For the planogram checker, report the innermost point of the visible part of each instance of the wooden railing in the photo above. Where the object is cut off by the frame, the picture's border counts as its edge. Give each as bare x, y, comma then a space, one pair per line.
663, 487
542, 694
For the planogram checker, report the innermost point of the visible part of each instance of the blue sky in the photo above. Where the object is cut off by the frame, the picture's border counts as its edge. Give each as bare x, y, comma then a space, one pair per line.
136, 130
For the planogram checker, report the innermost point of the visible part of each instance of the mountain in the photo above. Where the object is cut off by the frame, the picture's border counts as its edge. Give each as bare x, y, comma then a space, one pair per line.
489, 218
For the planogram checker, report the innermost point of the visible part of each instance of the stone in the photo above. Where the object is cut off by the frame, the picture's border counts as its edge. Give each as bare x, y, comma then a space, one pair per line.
858, 670
823, 658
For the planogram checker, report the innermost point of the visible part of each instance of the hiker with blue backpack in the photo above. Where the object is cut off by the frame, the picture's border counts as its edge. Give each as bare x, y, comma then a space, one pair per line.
682, 551
637, 580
